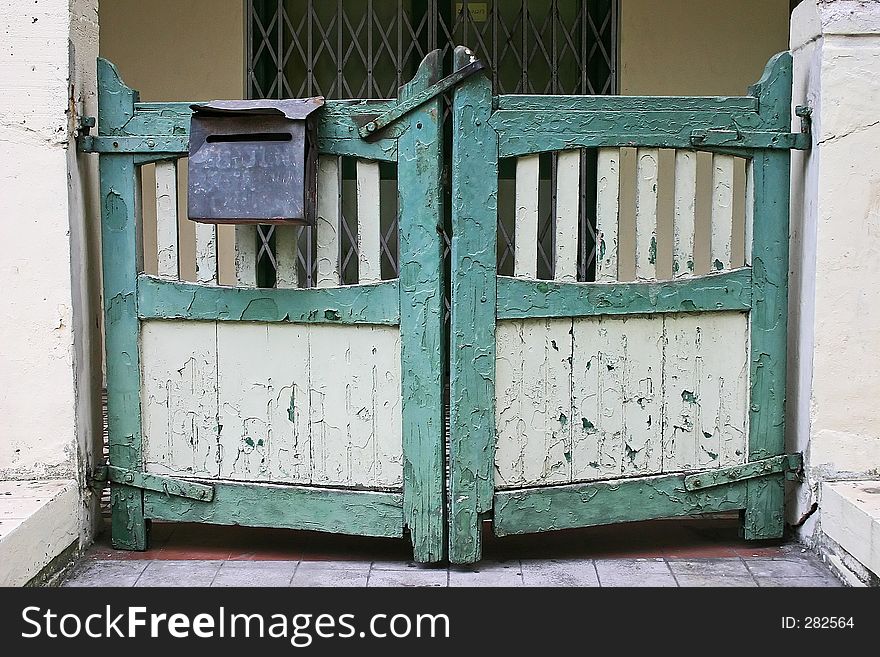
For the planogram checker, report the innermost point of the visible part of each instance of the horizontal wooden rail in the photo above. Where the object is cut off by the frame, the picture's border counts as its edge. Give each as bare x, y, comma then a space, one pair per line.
355, 512
524, 299
357, 304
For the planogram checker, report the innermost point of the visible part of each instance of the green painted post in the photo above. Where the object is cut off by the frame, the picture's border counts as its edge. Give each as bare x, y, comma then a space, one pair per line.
420, 163
120, 257
763, 517
472, 339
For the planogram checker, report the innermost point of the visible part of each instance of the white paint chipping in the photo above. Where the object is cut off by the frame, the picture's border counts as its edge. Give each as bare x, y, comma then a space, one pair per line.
368, 217
246, 255
568, 192
285, 256
646, 213
168, 265
607, 214
722, 212
327, 254
525, 259
206, 254
684, 218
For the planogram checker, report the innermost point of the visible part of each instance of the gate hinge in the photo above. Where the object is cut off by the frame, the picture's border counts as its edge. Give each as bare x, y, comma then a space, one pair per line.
370, 124
790, 464
158, 483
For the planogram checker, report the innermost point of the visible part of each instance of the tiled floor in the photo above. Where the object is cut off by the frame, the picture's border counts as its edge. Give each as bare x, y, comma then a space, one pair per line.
703, 552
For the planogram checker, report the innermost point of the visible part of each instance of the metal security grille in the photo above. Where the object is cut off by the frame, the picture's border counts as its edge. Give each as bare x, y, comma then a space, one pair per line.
368, 48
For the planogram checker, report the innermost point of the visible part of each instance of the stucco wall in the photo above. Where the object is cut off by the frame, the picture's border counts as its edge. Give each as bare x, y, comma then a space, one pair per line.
172, 50
698, 47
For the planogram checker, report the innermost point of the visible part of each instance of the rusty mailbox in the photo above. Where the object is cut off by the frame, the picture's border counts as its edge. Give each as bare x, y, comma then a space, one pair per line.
253, 162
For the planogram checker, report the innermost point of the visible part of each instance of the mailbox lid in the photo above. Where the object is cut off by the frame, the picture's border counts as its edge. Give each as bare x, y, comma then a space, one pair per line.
293, 109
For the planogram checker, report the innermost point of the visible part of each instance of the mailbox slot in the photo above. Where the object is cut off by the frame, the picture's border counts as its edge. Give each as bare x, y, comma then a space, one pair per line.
253, 162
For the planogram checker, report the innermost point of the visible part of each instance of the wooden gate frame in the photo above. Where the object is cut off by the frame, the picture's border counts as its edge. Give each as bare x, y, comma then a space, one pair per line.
131, 134
486, 128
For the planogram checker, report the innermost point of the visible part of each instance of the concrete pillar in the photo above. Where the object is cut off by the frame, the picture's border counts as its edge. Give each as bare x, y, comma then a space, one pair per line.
834, 377
50, 367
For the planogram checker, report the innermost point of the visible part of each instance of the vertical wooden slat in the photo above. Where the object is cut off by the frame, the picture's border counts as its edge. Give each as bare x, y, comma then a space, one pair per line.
722, 212
607, 214
750, 211
525, 260
167, 242
206, 254
684, 219
327, 254
285, 256
246, 255
368, 213
568, 193
646, 213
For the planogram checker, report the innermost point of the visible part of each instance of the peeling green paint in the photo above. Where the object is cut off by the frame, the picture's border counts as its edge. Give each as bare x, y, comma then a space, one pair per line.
652, 251
688, 397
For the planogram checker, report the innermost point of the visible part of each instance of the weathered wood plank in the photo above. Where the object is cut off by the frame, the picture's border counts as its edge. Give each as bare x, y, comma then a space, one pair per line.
327, 249
750, 211
684, 219
533, 403
608, 502
206, 254
525, 259
472, 341
706, 381
568, 193
722, 211
179, 398
120, 226
771, 179
629, 104
368, 216
646, 213
246, 256
360, 304
259, 505
607, 214
424, 345
286, 256
523, 299
168, 265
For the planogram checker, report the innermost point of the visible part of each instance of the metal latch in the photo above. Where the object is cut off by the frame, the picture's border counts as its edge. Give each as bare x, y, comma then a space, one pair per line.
370, 124
157, 483
790, 464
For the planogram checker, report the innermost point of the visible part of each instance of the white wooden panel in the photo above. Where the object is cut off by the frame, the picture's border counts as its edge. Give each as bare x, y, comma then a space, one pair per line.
750, 211
568, 192
368, 214
646, 213
706, 382
285, 256
328, 222
722, 212
206, 254
246, 256
607, 212
167, 242
351, 425
684, 218
179, 397
533, 407
525, 261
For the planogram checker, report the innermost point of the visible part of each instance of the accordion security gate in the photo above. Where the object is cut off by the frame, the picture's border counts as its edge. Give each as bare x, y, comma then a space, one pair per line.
572, 403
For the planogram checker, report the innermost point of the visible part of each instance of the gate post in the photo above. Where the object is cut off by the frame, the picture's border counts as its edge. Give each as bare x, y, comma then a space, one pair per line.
121, 253
472, 339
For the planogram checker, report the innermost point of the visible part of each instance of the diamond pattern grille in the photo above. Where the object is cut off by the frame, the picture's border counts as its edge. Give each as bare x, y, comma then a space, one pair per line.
368, 48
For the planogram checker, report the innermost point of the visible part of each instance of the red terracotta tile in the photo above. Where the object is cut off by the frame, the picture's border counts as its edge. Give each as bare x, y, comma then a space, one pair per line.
699, 552
193, 554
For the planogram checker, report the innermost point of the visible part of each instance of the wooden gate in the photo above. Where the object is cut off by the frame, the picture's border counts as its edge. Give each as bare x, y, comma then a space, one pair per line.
314, 409
657, 389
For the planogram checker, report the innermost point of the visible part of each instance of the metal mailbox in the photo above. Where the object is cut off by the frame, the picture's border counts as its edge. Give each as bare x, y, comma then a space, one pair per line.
253, 162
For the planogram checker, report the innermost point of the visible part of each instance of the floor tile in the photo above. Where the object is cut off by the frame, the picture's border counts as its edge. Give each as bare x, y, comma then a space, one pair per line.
559, 572
255, 573
107, 573
179, 573
355, 576
634, 572
499, 573
715, 580
713, 567
794, 567
412, 577
776, 582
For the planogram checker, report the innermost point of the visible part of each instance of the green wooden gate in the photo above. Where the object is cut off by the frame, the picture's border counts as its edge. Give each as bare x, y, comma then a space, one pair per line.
654, 388
658, 389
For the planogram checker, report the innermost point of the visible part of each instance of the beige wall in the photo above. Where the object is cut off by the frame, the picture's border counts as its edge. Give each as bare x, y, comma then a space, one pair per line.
698, 47
173, 50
